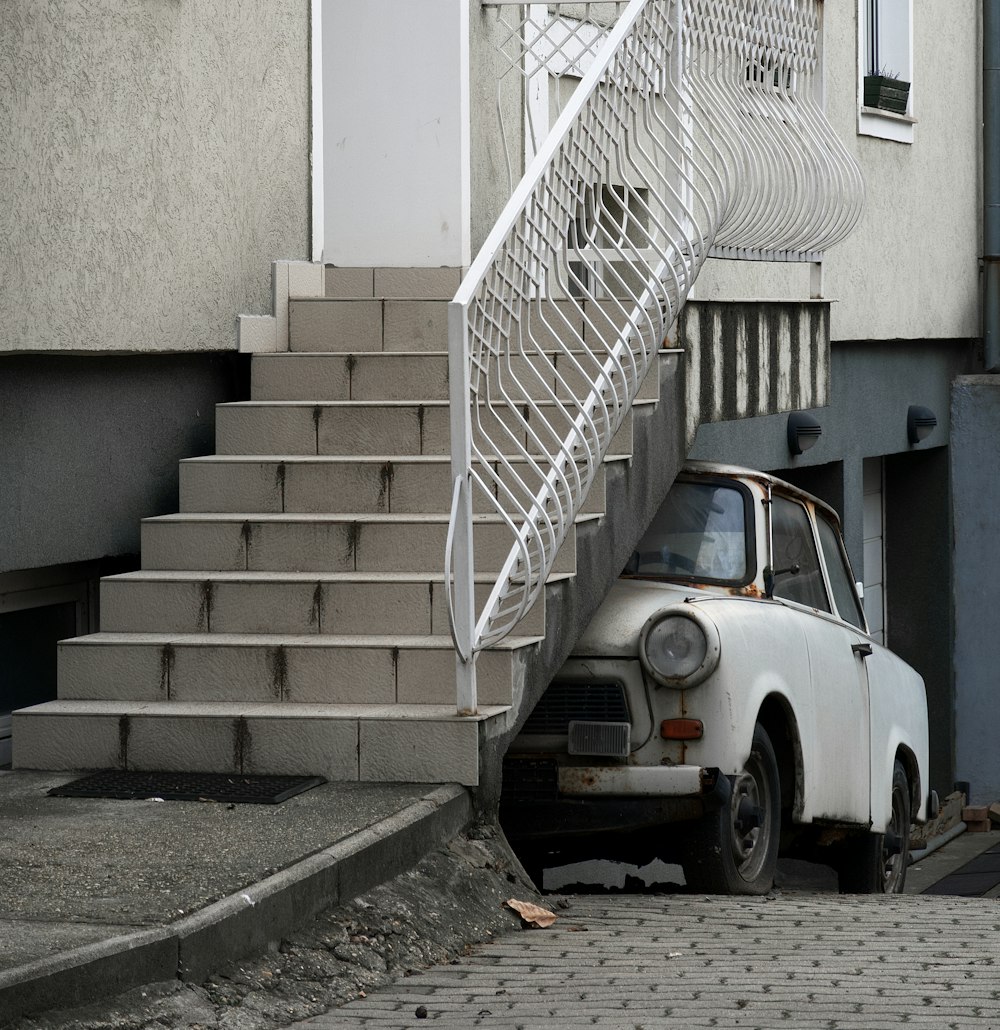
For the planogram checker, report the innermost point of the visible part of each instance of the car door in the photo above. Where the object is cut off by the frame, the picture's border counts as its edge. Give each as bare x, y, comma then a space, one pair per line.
838, 744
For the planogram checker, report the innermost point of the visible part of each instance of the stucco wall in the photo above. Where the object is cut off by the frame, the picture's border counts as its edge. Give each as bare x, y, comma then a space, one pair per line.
910, 270
91, 444
975, 472
155, 161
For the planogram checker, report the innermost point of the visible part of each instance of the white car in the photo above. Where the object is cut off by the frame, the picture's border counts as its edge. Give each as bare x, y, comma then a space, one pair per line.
729, 685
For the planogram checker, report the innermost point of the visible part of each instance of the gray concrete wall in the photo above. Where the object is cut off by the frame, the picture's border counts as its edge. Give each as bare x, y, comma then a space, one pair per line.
871, 387
491, 185
975, 472
155, 162
91, 444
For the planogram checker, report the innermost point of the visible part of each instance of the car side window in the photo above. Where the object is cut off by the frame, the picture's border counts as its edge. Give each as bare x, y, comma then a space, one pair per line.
841, 581
797, 575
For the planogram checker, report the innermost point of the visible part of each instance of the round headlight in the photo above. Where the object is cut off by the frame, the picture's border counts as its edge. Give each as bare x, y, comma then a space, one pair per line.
679, 647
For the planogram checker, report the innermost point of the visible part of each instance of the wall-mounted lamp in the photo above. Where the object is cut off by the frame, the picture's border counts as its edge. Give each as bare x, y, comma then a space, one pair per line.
920, 423
803, 431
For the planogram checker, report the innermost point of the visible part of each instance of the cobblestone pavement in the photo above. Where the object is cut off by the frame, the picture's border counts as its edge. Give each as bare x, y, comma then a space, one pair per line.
643, 962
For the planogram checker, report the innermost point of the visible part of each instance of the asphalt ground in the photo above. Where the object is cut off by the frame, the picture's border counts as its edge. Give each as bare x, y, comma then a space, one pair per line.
100, 895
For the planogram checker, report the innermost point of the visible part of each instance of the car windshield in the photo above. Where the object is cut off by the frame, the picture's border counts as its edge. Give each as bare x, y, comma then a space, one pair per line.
699, 533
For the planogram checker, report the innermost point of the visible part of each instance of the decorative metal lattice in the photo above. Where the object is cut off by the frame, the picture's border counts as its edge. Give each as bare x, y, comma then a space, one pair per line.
694, 130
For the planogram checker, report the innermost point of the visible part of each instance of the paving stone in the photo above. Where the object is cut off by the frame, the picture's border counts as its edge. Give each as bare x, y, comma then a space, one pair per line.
639, 962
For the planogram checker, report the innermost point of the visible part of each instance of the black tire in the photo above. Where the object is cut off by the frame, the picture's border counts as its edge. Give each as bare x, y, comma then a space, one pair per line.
875, 863
735, 850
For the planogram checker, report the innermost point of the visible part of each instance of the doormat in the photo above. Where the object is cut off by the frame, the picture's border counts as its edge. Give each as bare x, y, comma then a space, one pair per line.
174, 786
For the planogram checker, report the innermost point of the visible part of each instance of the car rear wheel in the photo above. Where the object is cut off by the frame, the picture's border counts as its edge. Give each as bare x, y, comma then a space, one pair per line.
875, 863
735, 850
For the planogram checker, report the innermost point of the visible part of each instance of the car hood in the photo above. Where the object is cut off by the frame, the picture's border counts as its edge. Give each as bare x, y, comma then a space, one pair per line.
614, 629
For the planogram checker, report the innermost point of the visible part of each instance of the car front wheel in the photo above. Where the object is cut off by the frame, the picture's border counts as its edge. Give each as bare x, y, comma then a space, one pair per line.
875, 863
735, 850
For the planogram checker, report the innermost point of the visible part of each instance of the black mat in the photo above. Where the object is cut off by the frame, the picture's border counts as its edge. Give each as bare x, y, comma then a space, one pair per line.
173, 786
972, 880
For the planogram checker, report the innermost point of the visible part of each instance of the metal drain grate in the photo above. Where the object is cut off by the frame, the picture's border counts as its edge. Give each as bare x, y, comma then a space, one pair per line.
174, 786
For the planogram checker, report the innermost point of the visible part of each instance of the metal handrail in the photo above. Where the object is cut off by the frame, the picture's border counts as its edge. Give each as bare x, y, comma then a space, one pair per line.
695, 126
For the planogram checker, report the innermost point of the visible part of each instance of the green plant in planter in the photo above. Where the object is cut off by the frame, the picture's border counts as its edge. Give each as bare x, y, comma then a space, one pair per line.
885, 91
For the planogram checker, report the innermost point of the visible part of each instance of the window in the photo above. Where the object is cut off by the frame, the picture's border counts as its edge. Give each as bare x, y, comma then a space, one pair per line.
885, 52
841, 582
797, 575
699, 533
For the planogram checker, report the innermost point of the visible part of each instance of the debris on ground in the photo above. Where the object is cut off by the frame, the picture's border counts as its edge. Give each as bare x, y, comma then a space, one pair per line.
531, 914
976, 818
432, 914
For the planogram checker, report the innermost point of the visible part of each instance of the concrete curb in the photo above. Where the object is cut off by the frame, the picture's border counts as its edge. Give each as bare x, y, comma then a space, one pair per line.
242, 923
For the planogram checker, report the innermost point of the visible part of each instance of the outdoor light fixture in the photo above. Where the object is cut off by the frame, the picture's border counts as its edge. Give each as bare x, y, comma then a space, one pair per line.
920, 423
803, 431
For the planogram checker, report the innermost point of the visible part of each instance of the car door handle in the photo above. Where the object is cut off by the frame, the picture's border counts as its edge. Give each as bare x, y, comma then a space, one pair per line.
862, 649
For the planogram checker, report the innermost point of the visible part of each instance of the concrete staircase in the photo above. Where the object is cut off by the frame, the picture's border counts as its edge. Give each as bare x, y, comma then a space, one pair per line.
291, 618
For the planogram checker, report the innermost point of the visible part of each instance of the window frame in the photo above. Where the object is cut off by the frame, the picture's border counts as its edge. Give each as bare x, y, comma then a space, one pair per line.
872, 121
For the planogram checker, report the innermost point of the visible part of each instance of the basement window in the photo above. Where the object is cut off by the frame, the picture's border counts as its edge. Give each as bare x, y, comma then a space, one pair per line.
885, 51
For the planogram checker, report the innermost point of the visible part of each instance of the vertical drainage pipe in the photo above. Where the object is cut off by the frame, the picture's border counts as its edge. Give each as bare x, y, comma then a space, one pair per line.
991, 184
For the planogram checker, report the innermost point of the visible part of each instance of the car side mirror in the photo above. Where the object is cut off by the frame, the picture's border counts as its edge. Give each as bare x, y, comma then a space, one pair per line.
770, 575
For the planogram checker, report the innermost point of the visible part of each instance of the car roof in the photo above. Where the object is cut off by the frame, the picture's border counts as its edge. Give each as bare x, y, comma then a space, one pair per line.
714, 468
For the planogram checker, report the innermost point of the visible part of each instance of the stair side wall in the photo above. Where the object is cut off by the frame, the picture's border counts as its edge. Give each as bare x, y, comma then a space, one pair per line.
740, 360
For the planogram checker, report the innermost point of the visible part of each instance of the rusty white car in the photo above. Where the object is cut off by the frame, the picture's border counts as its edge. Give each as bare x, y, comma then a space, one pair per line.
728, 701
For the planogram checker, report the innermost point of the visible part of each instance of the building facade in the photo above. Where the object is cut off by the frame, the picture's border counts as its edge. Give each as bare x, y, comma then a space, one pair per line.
154, 182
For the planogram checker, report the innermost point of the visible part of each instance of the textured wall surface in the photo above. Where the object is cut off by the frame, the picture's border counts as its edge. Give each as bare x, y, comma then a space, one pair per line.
91, 445
910, 269
154, 160
871, 387
975, 474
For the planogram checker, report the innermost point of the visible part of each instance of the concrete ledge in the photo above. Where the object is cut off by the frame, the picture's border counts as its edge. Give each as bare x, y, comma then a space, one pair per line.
371, 857
244, 922
83, 974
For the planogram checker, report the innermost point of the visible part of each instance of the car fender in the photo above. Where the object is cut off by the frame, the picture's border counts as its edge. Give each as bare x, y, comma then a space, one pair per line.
898, 724
764, 657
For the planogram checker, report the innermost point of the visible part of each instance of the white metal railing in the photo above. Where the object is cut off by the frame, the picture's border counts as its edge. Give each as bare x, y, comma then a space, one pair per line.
694, 126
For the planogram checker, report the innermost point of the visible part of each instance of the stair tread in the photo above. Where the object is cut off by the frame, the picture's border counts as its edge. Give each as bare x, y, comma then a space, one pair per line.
264, 709
360, 459
431, 403
196, 576
386, 518
443, 353
383, 640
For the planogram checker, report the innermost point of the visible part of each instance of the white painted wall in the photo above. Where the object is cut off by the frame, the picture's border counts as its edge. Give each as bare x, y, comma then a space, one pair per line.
396, 132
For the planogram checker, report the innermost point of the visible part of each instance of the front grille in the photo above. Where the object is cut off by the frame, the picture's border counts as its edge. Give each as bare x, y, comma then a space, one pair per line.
529, 779
564, 703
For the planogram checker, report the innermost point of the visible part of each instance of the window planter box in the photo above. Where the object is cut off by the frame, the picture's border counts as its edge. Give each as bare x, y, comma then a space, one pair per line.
887, 94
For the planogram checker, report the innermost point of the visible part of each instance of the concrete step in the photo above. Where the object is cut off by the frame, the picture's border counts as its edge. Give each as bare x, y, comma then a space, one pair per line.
298, 603
351, 428
407, 743
271, 667
419, 484
377, 320
348, 542
357, 283
417, 376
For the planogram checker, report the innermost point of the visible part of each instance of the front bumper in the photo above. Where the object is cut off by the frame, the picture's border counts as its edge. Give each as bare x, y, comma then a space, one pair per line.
671, 781
544, 799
